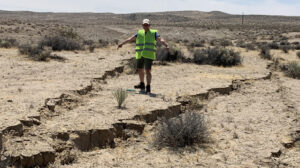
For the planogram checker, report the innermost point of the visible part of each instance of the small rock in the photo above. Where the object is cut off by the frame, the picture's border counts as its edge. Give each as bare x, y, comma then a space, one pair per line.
10, 101
277, 153
287, 141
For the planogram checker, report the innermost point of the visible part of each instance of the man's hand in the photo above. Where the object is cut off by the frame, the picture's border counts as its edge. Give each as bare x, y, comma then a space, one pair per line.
167, 48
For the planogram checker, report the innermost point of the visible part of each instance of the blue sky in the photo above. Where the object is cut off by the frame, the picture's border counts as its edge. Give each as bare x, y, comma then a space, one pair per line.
269, 7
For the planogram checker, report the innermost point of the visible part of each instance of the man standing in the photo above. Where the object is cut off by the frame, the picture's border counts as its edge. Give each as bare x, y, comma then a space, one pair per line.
146, 39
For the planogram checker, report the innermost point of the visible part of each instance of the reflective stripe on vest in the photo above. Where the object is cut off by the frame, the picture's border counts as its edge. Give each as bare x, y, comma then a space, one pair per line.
146, 44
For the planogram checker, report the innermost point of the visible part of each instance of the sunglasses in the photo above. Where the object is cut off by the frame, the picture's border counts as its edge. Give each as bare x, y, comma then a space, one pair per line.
145, 25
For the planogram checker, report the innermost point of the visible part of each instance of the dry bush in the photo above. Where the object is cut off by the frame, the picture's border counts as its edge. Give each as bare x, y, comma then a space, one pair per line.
8, 43
265, 53
273, 45
197, 43
195, 104
58, 43
34, 52
186, 130
103, 43
285, 48
120, 95
219, 56
250, 46
225, 42
293, 70
173, 55
62, 40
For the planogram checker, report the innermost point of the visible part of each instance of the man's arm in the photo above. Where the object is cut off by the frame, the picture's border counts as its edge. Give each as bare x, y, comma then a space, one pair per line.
130, 39
163, 42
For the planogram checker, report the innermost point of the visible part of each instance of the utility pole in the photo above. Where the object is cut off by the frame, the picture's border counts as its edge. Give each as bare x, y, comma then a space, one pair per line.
243, 18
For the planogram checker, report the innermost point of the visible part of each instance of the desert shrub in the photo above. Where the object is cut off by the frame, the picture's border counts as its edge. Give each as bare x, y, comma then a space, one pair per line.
58, 43
265, 53
8, 43
103, 43
219, 56
214, 42
92, 48
293, 70
173, 55
284, 43
298, 54
120, 95
225, 43
241, 44
285, 48
197, 43
250, 46
68, 33
273, 45
34, 52
88, 42
297, 46
186, 130
195, 104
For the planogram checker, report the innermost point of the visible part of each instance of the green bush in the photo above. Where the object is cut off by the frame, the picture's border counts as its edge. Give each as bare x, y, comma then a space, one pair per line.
219, 56
186, 130
293, 70
120, 95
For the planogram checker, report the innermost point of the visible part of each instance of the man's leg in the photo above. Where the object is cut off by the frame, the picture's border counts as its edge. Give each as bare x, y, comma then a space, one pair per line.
148, 76
148, 66
141, 75
140, 67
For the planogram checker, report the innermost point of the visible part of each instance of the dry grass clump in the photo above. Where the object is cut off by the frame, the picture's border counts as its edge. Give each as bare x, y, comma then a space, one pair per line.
293, 70
265, 53
186, 130
219, 56
120, 95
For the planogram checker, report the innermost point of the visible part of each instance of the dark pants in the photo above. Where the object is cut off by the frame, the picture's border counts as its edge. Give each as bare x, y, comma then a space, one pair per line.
144, 63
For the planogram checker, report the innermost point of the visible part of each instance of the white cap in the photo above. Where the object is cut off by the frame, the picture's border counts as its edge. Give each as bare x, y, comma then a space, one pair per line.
146, 21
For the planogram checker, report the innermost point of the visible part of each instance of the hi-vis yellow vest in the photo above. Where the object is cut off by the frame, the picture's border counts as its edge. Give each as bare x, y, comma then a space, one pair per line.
146, 44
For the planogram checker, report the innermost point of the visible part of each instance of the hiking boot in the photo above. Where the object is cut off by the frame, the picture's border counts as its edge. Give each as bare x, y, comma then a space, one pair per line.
140, 86
148, 89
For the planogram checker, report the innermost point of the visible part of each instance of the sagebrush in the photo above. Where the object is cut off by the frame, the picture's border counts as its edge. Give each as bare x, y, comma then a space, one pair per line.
293, 70
265, 53
34, 52
219, 56
186, 130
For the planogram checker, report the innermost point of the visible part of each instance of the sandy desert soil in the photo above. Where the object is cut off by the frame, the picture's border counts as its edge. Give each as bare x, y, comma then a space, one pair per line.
63, 113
